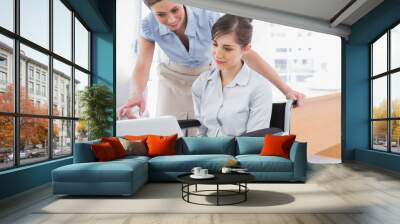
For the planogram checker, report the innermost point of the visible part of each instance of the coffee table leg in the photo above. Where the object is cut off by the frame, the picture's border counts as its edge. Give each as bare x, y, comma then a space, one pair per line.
217, 194
196, 188
245, 191
188, 189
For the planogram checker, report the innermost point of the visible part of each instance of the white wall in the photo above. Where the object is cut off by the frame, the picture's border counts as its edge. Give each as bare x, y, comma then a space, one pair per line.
128, 18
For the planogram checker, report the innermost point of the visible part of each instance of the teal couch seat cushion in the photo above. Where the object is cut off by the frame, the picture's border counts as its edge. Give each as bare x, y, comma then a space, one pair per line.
257, 163
129, 159
184, 163
111, 171
206, 145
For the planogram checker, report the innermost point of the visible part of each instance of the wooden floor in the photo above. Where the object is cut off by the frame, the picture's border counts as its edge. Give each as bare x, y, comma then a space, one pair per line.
377, 188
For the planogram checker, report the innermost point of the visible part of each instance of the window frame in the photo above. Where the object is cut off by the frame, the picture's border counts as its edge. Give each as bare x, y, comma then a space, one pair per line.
388, 74
16, 114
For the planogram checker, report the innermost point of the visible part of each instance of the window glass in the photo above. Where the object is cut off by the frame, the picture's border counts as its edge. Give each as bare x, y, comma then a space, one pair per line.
281, 65
81, 131
31, 58
379, 56
81, 81
81, 45
7, 14
395, 95
379, 97
6, 74
299, 56
35, 21
34, 81
62, 29
62, 91
33, 140
395, 136
395, 47
379, 135
62, 142
6, 142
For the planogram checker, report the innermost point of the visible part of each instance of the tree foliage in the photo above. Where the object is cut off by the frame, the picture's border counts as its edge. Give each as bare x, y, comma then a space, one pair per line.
33, 130
380, 127
97, 103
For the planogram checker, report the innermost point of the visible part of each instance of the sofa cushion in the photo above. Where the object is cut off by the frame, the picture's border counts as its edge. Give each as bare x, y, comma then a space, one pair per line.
257, 163
111, 171
161, 145
207, 145
103, 152
133, 157
134, 147
83, 152
116, 145
185, 163
277, 145
136, 137
249, 145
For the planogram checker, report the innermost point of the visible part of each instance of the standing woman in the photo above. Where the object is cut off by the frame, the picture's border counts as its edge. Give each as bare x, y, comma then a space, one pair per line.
231, 99
184, 35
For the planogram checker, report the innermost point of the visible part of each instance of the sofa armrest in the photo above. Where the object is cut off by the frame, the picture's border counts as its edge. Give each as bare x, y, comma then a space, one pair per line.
298, 155
83, 152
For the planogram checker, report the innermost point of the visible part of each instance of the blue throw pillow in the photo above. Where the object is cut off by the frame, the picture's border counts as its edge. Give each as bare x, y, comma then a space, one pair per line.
249, 145
207, 145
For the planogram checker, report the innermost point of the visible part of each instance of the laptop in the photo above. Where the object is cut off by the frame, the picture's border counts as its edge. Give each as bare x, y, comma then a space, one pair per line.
163, 125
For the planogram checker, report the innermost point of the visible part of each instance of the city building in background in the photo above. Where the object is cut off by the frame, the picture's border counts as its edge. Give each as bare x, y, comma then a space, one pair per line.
47, 81
34, 82
299, 56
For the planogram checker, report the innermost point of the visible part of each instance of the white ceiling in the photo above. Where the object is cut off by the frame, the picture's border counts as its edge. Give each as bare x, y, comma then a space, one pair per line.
321, 9
315, 15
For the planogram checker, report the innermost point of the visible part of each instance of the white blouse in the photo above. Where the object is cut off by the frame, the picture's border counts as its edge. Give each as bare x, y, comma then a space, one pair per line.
244, 105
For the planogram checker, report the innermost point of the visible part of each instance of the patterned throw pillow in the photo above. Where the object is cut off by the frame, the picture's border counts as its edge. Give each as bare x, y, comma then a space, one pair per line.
134, 147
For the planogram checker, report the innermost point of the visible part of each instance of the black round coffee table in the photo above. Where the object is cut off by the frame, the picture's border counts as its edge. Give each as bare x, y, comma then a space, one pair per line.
238, 179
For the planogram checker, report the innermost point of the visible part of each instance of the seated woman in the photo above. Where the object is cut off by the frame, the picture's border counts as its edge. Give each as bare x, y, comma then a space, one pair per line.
231, 99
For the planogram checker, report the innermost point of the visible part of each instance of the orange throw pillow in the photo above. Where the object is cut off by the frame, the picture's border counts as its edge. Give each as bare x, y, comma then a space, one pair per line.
116, 145
161, 145
136, 137
103, 151
277, 145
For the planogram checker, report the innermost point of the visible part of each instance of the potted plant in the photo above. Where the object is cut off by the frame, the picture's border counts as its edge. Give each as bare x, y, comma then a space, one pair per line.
96, 104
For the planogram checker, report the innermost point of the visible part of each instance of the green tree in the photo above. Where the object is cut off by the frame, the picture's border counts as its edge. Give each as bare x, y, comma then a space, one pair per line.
395, 123
97, 102
380, 127
33, 130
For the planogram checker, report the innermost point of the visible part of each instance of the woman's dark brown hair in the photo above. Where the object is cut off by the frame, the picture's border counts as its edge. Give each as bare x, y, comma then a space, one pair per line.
240, 26
150, 3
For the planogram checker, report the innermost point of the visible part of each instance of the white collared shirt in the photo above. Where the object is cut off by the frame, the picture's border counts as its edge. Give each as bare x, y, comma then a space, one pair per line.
244, 105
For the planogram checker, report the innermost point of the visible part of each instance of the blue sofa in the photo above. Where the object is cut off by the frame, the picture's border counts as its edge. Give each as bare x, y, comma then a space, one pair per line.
125, 176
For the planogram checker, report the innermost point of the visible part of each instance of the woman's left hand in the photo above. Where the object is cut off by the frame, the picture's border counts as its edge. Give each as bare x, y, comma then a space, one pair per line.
296, 96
